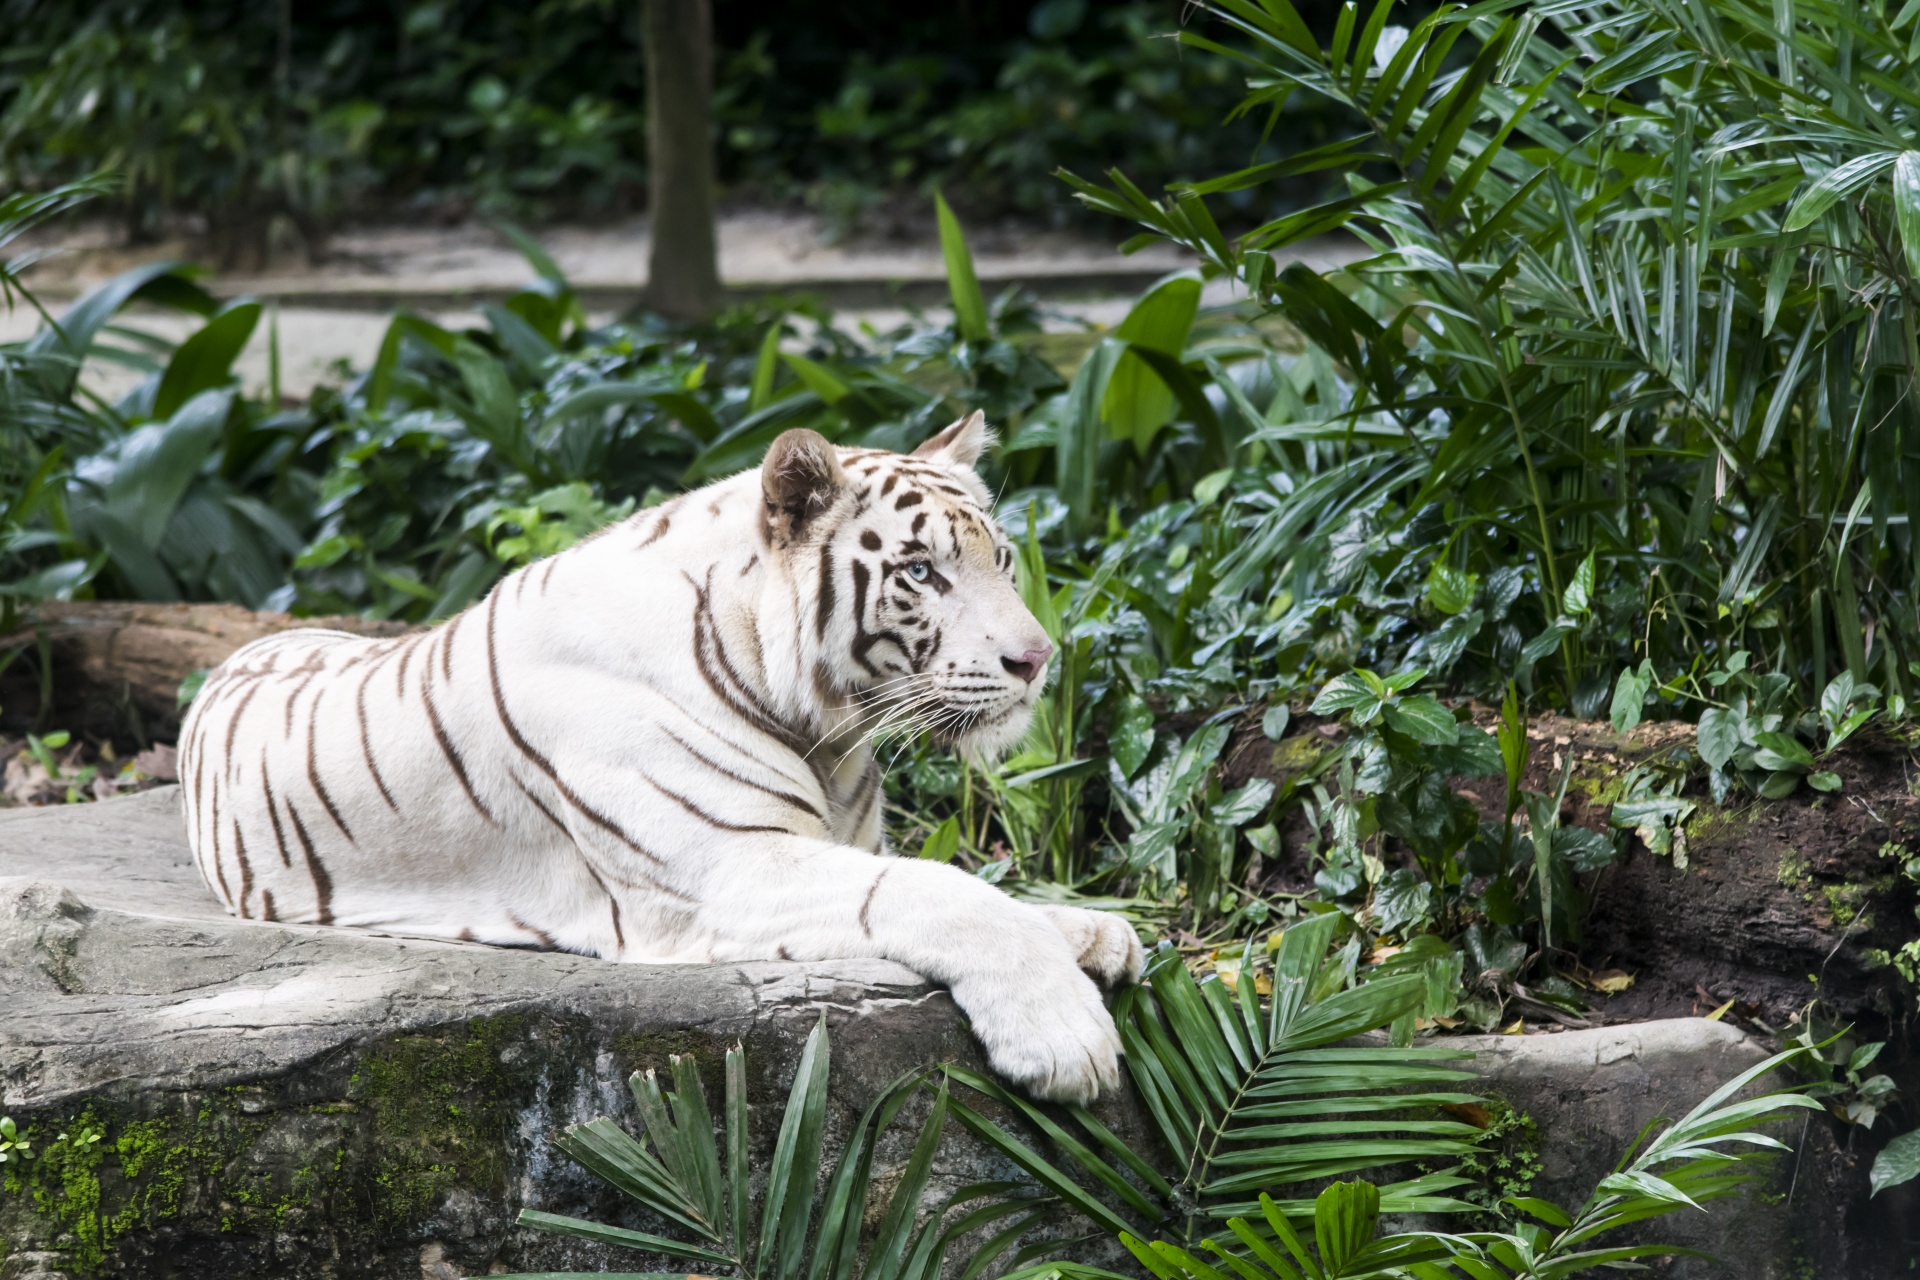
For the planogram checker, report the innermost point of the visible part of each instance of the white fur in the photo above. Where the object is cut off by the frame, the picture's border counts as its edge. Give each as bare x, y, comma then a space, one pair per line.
683, 771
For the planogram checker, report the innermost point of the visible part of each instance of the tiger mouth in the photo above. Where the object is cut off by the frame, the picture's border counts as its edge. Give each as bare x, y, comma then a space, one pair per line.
972, 722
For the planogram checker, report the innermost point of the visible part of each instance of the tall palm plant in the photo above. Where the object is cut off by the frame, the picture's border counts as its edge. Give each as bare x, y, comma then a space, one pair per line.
1640, 290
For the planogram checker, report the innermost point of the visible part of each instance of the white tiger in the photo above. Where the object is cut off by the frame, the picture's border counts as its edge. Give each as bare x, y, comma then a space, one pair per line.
655, 747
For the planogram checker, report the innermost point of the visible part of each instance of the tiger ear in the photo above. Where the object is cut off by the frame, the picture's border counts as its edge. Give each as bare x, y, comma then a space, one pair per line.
961, 443
801, 479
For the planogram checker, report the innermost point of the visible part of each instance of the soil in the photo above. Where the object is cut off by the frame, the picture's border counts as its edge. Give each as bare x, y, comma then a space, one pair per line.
1780, 903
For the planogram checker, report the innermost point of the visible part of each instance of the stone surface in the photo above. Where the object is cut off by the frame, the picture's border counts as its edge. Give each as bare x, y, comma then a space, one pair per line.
1591, 1092
293, 1101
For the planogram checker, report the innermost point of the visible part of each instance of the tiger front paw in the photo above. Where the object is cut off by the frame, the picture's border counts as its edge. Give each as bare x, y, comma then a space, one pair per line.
1104, 945
1048, 1032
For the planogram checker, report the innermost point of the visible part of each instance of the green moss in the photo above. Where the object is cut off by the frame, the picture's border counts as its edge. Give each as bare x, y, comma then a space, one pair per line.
442, 1109
649, 1051
99, 1177
1710, 822
426, 1113
1794, 870
1601, 790
1298, 754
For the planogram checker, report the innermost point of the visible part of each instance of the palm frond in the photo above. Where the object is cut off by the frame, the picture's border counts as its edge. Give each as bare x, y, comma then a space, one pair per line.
677, 1172
1251, 1096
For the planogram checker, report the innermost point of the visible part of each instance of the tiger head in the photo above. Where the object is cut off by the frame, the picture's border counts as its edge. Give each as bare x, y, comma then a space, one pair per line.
902, 582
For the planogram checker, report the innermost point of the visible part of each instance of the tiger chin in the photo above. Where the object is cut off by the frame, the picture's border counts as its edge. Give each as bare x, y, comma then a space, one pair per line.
656, 747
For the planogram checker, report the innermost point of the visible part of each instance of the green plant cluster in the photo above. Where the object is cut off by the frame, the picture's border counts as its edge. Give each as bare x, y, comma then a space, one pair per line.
245, 113
1253, 1099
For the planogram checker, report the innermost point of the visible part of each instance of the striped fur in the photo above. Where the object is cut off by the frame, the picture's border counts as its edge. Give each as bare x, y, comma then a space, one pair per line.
656, 747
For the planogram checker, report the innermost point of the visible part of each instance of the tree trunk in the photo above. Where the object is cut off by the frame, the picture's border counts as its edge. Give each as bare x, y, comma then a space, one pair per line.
683, 274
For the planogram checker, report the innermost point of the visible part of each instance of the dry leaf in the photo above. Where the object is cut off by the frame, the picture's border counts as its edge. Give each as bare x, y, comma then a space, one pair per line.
1611, 981
1471, 1112
1519, 1028
158, 762
1719, 1013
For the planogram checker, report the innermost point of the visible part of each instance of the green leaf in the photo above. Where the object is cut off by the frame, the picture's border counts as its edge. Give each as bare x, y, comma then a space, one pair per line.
1242, 805
883, 1262
1780, 785
1422, 718
1545, 1210
969, 304
1824, 780
1077, 453
1906, 207
1450, 590
1138, 402
1897, 1163
1347, 692
621, 1237
1190, 766
1720, 734
1578, 597
205, 360
1131, 740
166, 283
1582, 849
1273, 721
532, 250
1780, 751
1837, 184
1344, 1218
817, 378
1633, 1183
157, 463
379, 382
739, 1143
1547, 641
1630, 697
765, 365
796, 1161
943, 842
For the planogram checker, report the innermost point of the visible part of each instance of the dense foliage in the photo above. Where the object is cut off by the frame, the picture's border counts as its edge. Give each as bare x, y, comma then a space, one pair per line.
246, 112
1615, 422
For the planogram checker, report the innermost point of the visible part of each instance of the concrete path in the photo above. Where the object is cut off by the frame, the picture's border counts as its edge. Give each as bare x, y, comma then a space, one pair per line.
340, 310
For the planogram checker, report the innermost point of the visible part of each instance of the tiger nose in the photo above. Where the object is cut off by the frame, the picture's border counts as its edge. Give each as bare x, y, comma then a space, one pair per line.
1029, 664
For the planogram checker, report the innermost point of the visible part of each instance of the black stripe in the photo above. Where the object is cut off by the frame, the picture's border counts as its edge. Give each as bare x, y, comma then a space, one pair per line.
787, 797
233, 723
313, 768
322, 882
366, 740
220, 872
311, 668
273, 811
546, 939
867, 791
447, 748
246, 867
546, 766
708, 818
824, 613
866, 926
